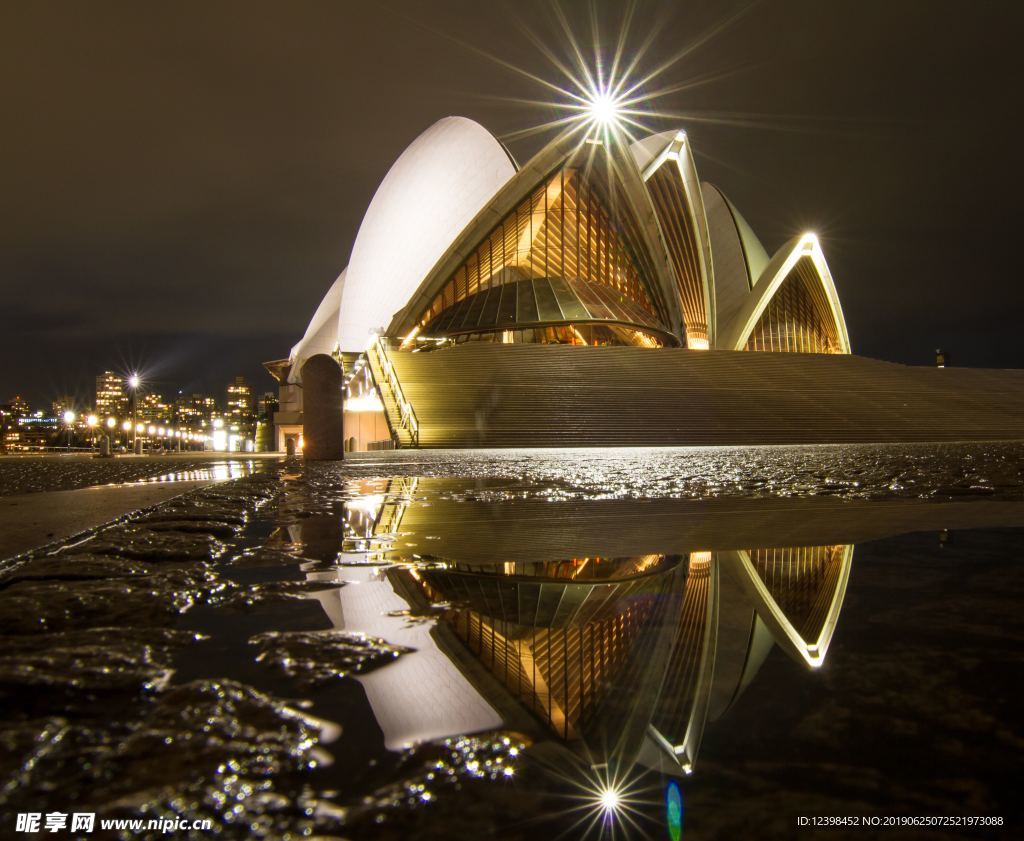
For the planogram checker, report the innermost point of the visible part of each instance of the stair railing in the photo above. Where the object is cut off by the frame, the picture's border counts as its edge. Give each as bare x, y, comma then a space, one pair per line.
377, 353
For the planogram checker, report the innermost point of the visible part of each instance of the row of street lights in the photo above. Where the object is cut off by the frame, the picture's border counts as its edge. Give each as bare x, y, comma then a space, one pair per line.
135, 428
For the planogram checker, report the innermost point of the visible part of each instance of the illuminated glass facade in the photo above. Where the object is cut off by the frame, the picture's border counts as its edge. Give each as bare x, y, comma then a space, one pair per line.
559, 258
666, 190
797, 319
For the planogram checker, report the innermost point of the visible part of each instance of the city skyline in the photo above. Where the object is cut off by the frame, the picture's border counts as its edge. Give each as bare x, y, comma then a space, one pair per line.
124, 412
91, 400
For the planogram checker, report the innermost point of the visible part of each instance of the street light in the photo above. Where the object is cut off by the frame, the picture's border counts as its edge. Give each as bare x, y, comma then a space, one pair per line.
69, 419
92, 421
111, 424
133, 384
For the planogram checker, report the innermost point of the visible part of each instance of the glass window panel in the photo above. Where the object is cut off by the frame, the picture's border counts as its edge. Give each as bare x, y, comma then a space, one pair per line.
567, 301
547, 303
589, 295
526, 303
476, 306
459, 313
507, 307
489, 316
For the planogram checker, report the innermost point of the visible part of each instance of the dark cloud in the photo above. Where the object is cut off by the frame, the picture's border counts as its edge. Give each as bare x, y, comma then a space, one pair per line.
199, 170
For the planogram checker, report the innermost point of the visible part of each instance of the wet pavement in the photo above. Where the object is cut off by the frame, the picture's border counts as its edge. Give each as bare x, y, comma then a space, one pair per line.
25, 474
535, 645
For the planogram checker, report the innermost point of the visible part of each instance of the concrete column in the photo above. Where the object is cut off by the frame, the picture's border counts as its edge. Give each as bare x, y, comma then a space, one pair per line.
322, 409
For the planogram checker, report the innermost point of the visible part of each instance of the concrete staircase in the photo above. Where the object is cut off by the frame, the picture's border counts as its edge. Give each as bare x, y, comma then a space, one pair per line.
491, 395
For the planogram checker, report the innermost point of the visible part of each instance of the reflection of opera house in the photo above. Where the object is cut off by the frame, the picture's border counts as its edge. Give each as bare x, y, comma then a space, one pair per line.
626, 635
599, 294
629, 657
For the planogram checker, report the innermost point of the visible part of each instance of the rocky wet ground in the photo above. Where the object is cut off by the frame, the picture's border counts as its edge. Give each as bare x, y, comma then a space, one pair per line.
24, 474
109, 703
983, 470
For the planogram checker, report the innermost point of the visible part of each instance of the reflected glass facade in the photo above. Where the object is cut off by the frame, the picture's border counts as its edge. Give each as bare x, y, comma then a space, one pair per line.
802, 581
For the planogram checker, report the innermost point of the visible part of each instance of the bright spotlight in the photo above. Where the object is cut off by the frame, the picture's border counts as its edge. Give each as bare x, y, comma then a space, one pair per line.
134, 381
610, 800
111, 423
92, 420
69, 417
603, 108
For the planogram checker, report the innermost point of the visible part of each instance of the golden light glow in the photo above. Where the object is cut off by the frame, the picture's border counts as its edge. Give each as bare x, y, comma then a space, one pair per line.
799, 311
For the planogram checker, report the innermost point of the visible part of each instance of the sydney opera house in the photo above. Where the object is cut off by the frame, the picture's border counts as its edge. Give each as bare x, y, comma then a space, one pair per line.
599, 294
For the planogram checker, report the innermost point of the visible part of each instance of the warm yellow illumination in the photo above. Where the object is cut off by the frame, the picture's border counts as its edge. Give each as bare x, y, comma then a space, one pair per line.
408, 340
366, 403
795, 282
69, 417
111, 423
91, 421
700, 560
127, 426
697, 344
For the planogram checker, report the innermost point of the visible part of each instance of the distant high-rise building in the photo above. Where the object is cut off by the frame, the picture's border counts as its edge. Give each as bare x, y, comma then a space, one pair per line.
61, 405
194, 411
269, 403
239, 403
10, 412
111, 397
153, 409
18, 406
240, 417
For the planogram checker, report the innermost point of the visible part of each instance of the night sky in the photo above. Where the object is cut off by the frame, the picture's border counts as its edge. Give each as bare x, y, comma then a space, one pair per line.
182, 182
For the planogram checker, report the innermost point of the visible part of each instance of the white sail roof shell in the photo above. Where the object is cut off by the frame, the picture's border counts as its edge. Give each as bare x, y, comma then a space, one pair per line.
435, 188
321, 335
